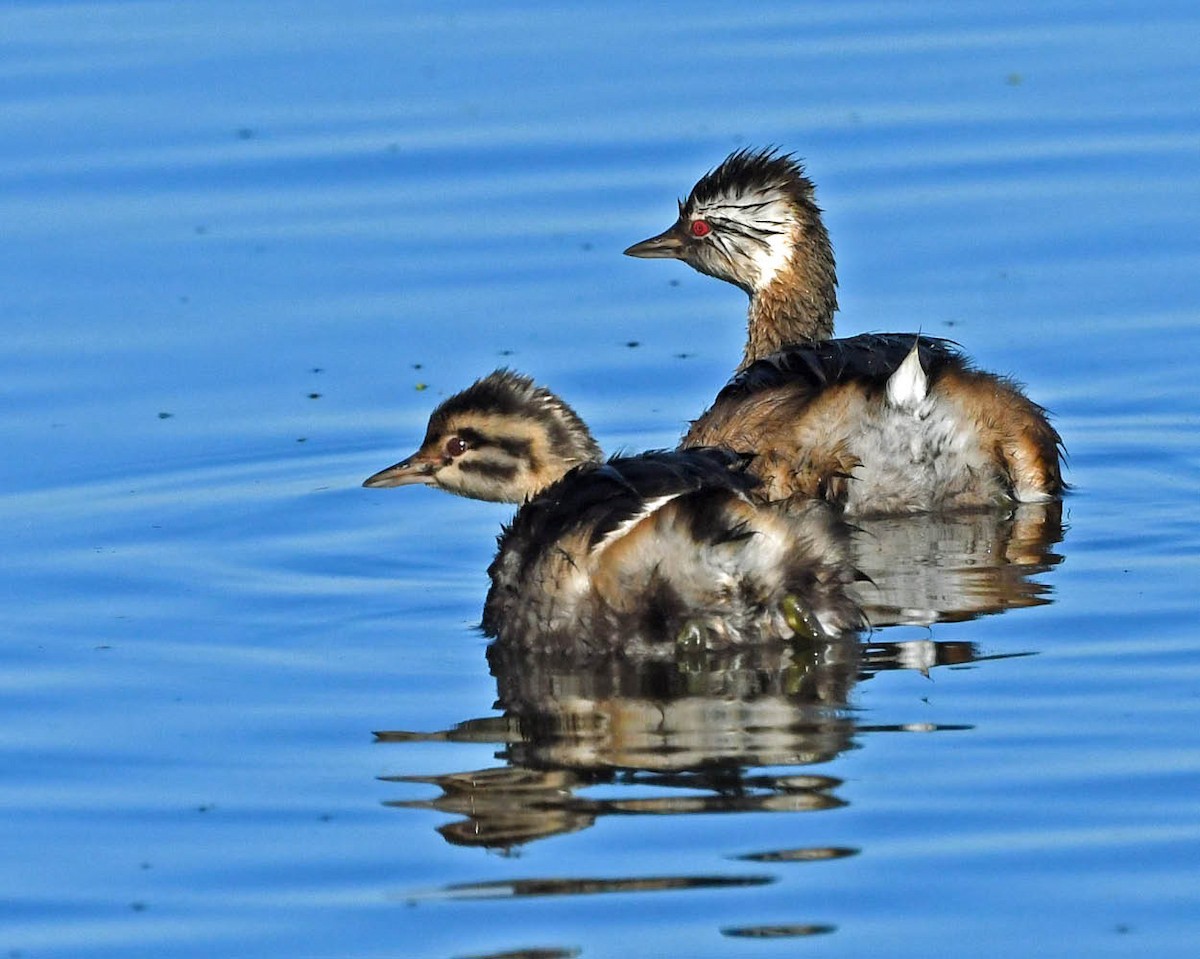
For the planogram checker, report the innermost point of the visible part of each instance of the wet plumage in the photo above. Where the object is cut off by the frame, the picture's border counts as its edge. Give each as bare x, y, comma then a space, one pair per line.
877, 423
643, 554
884, 424
754, 222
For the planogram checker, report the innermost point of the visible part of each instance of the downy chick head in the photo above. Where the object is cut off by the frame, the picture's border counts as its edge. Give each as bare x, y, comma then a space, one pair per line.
746, 222
503, 439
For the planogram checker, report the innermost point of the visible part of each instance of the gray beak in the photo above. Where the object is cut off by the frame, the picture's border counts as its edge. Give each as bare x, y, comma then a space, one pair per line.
668, 245
414, 471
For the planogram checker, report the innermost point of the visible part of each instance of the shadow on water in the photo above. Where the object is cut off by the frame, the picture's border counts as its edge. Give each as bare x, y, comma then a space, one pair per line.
721, 731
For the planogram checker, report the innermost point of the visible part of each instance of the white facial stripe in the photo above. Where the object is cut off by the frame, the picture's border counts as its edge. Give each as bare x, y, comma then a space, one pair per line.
767, 216
773, 259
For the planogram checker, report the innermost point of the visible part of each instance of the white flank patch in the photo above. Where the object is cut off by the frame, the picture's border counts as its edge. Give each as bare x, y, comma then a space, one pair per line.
908, 386
649, 507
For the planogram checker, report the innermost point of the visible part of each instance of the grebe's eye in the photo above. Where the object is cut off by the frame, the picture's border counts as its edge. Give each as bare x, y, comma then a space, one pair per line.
455, 446
701, 228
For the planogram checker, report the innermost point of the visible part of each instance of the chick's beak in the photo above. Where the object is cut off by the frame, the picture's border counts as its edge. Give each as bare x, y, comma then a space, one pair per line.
667, 245
418, 469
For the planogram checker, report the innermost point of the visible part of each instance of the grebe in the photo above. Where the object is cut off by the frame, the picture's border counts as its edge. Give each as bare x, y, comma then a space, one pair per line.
640, 554
884, 424
753, 221
502, 439
880, 423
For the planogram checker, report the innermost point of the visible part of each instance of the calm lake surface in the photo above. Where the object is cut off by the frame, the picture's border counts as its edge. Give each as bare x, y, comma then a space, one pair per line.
248, 246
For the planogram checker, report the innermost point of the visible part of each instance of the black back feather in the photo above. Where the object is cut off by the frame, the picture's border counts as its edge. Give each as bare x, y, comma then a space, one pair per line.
869, 358
605, 495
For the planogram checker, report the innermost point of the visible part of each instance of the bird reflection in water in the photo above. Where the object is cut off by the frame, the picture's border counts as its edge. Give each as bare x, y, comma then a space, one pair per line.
709, 732
952, 567
696, 726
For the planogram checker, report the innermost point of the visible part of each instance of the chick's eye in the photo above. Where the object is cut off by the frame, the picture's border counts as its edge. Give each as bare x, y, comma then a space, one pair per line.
456, 446
701, 228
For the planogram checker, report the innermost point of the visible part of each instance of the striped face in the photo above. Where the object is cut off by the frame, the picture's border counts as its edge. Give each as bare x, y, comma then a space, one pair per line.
742, 221
742, 237
494, 456
502, 439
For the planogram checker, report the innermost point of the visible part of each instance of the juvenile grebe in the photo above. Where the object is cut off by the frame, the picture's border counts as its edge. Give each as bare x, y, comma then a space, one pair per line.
641, 554
502, 439
897, 428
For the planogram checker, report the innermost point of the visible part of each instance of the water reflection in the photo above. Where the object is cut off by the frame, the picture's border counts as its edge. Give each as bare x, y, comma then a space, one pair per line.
699, 720
728, 731
527, 888
927, 569
815, 854
777, 932
677, 738
529, 954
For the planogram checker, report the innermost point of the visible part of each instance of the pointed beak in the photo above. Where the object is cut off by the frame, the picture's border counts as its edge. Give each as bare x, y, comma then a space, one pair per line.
416, 470
667, 245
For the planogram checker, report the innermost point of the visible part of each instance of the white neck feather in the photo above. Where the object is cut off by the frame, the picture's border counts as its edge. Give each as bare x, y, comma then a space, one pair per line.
771, 260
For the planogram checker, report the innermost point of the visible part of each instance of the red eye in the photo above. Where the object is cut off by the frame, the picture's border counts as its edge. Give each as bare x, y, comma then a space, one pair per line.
700, 228
456, 446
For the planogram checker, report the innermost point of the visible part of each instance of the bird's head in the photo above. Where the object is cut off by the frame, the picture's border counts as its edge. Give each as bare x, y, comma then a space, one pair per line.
744, 222
503, 439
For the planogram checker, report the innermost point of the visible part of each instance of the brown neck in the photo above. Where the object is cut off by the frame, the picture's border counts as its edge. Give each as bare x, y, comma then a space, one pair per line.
788, 312
798, 304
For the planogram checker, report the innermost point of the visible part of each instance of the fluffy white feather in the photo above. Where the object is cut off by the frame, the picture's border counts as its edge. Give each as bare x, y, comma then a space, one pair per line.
908, 387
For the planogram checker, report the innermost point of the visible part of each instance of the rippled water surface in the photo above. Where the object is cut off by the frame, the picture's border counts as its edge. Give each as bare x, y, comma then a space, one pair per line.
247, 246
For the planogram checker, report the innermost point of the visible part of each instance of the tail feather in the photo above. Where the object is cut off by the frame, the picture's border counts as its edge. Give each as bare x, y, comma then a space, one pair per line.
908, 386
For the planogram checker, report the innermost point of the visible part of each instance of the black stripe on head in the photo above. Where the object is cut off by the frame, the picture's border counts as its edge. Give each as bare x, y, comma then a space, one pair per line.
732, 241
503, 393
506, 393
516, 447
502, 472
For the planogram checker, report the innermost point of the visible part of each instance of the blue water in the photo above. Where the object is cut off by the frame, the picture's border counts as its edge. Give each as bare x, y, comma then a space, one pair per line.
247, 247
